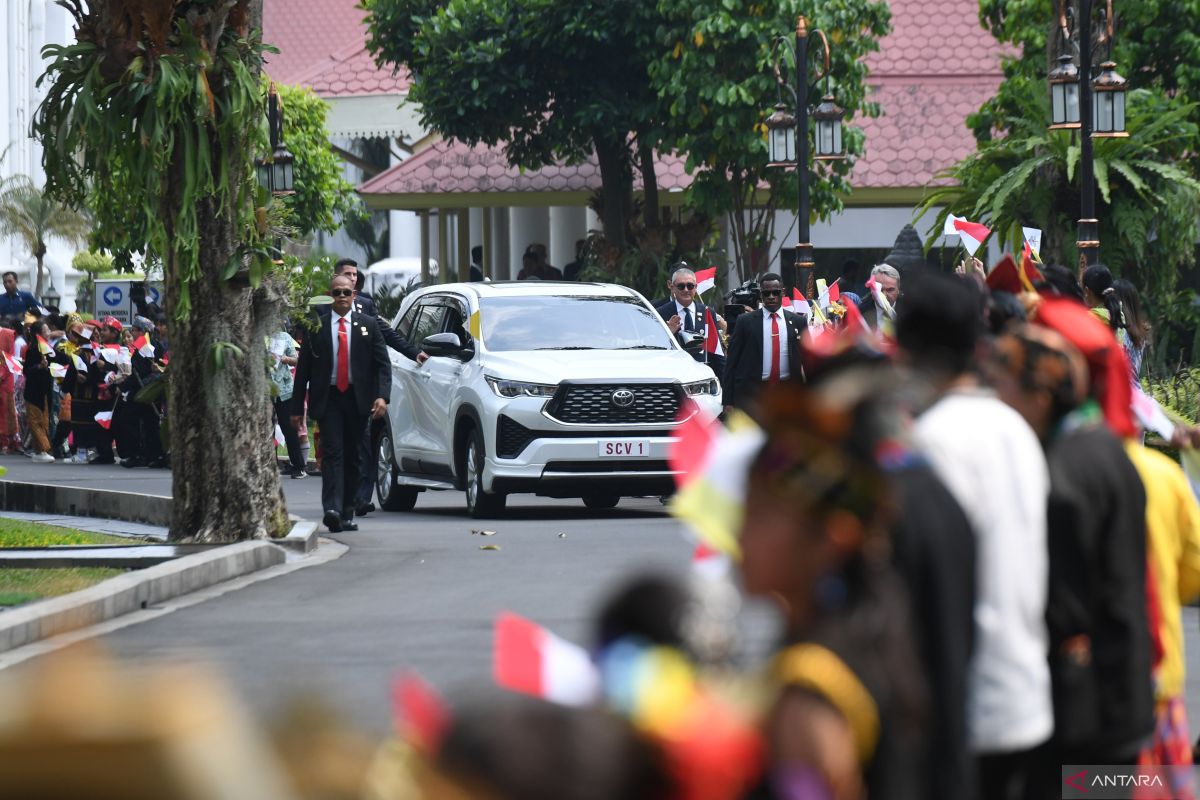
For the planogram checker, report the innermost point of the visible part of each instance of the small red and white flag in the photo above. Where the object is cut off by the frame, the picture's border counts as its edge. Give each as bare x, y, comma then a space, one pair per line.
706, 279
44, 347
13, 365
279, 440
421, 714
799, 303
854, 318
104, 419
58, 371
143, 346
110, 352
689, 452
971, 234
712, 339
85, 332
531, 660
835, 294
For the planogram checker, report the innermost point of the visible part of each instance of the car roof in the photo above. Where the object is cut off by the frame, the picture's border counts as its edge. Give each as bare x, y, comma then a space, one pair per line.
483, 289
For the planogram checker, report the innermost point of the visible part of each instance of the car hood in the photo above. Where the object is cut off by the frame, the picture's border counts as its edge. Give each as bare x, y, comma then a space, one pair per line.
553, 366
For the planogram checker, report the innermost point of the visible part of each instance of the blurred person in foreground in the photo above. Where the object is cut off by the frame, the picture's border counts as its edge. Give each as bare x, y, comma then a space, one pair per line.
849, 696
1100, 643
992, 462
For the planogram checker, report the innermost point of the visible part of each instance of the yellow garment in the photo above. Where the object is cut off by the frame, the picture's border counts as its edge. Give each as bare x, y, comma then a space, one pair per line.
1173, 538
813, 667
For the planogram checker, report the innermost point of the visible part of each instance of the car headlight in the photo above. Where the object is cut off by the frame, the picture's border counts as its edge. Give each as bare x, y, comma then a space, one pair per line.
505, 388
709, 387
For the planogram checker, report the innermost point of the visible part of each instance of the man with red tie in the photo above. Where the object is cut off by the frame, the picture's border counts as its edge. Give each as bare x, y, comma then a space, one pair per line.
345, 369
764, 348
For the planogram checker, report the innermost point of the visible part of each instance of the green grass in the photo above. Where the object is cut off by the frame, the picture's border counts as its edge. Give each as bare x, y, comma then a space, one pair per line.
18, 586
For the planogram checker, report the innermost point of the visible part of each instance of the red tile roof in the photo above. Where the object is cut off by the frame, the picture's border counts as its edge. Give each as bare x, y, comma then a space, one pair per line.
451, 167
936, 66
322, 45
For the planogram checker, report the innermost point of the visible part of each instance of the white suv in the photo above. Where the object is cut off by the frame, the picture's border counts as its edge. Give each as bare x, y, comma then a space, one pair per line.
555, 389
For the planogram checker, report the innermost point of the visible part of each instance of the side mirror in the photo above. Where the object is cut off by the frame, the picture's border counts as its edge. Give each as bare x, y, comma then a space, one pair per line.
445, 345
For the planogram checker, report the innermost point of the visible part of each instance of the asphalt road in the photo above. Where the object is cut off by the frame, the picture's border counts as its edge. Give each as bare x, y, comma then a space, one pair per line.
414, 591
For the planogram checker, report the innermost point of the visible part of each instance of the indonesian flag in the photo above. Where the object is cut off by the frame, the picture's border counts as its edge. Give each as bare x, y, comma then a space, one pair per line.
799, 303
706, 279
44, 347
279, 440
971, 234
104, 419
143, 346
531, 660
712, 339
85, 332
835, 294
110, 352
421, 715
13, 365
710, 564
854, 318
696, 436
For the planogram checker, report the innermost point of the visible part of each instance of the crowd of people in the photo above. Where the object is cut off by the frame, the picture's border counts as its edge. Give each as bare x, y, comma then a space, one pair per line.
77, 390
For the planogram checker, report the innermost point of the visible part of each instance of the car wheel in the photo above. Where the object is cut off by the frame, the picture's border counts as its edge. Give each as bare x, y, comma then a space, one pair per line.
392, 496
479, 502
600, 502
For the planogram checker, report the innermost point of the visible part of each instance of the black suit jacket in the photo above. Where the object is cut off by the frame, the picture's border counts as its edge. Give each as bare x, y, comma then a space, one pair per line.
667, 310
743, 365
366, 306
370, 367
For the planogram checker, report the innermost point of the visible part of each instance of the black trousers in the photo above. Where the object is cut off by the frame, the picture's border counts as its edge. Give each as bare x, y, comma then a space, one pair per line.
283, 419
369, 460
341, 435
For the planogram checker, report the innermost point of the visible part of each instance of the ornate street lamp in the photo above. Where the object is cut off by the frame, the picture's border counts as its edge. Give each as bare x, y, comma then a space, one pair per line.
276, 172
51, 298
1108, 117
787, 136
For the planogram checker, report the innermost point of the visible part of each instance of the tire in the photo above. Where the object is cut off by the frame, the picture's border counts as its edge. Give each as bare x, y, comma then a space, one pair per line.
601, 502
479, 503
392, 495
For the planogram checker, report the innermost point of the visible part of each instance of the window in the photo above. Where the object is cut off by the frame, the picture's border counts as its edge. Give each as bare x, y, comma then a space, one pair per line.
404, 326
429, 321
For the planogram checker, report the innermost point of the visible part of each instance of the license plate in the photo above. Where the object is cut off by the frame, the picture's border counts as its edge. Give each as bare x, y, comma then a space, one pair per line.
625, 448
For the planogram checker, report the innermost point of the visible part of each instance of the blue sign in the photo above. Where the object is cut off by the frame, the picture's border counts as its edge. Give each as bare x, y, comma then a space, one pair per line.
112, 296
152, 294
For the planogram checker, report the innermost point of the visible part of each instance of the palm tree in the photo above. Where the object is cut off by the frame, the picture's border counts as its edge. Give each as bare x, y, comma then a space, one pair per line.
30, 215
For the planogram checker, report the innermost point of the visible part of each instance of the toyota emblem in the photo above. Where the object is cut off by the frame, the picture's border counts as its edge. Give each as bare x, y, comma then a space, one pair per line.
623, 398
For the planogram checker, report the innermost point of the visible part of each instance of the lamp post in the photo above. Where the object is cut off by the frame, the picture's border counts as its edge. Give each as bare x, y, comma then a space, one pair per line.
276, 173
51, 298
787, 136
1095, 106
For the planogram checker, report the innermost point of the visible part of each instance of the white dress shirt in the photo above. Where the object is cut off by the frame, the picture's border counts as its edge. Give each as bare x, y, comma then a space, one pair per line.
333, 328
683, 311
784, 345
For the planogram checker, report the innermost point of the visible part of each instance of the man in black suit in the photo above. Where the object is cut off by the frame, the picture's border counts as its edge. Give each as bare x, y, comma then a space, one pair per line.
685, 314
363, 304
764, 348
345, 371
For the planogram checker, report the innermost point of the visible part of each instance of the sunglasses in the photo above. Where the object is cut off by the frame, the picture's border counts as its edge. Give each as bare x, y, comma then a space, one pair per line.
771, 292
685, 286
342, 293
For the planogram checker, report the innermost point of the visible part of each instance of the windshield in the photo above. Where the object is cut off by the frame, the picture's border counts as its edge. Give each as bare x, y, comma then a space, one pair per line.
571, 323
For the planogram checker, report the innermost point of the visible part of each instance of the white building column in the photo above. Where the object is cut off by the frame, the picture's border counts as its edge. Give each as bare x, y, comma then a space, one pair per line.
404, 234
567, 225
527, 226
501, 256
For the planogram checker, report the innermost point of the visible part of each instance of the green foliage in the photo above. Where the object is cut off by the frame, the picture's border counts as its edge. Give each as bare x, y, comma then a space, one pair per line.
153, 128
389, 297
322, 195
1178, 392
712, 71
306, 278
92, 262
33, 216
18, 533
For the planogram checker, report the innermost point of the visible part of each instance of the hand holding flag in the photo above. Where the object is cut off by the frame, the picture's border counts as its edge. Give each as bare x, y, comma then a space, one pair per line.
971, 234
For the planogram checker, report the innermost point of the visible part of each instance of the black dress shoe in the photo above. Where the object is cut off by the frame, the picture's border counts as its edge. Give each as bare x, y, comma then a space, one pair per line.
103, 460
132, 462
349, 526
364, 509
333, 521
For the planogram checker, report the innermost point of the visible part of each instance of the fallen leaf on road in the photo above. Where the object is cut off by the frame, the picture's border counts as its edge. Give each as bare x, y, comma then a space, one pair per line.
562, 536
489, 547
482, 533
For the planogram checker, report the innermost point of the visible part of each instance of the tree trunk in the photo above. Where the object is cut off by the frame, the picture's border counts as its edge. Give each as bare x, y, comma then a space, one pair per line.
225, 479
649, 185
40, 255
616, 188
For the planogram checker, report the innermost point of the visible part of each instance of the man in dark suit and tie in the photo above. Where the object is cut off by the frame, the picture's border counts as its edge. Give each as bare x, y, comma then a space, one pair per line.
764, 348
684, 313
345, 370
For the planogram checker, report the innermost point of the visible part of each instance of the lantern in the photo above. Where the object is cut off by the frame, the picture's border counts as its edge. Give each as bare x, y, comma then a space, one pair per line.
827, 126
1108, 104
781, 137
1064, 94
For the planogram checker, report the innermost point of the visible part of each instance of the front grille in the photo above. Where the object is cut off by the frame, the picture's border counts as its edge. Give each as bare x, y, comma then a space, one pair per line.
607, 465
592, 404
511, 437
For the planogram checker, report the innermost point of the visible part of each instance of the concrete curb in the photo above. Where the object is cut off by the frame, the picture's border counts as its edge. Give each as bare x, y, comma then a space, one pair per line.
133, 591
302, 537
77, 501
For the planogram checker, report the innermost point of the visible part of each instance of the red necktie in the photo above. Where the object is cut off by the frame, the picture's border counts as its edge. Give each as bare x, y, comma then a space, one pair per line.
343, 363
773, 377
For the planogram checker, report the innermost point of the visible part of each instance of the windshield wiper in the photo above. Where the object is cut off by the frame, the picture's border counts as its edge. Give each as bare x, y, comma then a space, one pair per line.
574, 347
646, 347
